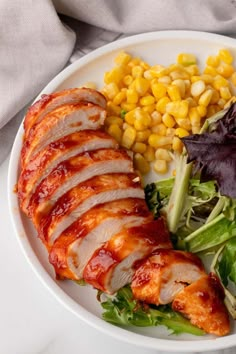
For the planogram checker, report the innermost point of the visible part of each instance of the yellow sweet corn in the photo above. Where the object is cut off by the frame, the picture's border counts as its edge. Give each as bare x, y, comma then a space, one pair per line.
174, 92
178, 109
225, 56
115, 131
128, 137
186, 59
160, 166
141, 164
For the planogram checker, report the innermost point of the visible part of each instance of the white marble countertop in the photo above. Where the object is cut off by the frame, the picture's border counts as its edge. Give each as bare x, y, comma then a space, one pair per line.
31, 319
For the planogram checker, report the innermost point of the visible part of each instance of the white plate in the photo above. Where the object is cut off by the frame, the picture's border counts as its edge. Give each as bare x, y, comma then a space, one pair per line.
155, 48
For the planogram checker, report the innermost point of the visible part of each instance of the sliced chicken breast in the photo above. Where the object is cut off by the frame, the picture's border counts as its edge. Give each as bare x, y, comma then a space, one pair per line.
203, 304
60, 122
71, 172
47, 159
48, 103
75, 246
112, 266
165, 273
83, 197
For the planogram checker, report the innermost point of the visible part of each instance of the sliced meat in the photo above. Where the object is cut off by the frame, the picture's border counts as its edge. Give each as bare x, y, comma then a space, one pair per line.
60, 122
53, 154
75, 246
203, 304
78, 200
165, 273
48, 103
112, 266
71, 172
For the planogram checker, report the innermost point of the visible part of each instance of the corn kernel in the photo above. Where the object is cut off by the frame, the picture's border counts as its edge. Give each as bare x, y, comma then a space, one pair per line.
143, 117
221, 103
132, 96
226, 70
178, 109
113, 109
170, 132
149, 108
202, 110
210, 111
159, 129
158, 90
156, 140
162, 103
115, 75
128, 79
194, 116
147, 100
186, 59
141, 164
160, 166
213, 61
174, 93
120, 97
128, 106
181, 86
111, 90
133, 62
130, 117
115, 131
178, 75
139, 147
144, 65
195, 78
210, 70
90, 85
149, 154
128, 137
192, 70
233, 78
215, 97
177, 144
205, 98
156, 118
225, 56
219, 81
122, 59
196, 129
181, 132
137, 71
225, 93
197, 88
168, 120
163, 154
114, 120
184, 123
143, 135
166, 80
208, 79
141, 85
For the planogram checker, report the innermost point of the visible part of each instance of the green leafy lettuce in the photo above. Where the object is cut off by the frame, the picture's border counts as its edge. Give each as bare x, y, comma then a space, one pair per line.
124, 310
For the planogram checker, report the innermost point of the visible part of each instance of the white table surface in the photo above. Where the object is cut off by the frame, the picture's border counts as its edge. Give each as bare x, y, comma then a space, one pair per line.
31, 319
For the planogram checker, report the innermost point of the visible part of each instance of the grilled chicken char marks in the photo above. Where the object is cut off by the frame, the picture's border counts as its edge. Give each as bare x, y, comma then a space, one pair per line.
75, 246
73, 171
62, 121
78, 200
203, 304
163, 274
112, 266
48, 103
56, 152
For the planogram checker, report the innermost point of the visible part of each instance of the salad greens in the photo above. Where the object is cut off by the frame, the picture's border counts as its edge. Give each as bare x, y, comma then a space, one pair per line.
124, 310
200, 209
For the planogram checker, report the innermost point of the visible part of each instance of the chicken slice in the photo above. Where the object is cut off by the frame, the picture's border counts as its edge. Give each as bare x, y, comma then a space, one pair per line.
165, 273
83, 197
48, 103
53, 154
60, 122
71, 172
112, 266
75, 246
203, 303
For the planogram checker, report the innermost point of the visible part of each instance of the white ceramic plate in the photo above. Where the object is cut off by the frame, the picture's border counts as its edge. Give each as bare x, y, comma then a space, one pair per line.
155, 48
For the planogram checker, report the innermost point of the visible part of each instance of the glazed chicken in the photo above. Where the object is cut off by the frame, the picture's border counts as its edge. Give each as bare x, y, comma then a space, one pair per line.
48, 103
62, 149
203, 303
87, 204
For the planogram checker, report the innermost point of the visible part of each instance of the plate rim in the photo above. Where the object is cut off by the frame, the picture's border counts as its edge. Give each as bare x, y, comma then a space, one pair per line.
31, 257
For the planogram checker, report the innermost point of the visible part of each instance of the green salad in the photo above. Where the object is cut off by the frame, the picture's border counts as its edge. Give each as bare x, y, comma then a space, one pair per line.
199, 204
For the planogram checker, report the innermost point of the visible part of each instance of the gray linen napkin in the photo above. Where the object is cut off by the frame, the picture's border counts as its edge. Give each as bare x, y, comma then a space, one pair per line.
36, 44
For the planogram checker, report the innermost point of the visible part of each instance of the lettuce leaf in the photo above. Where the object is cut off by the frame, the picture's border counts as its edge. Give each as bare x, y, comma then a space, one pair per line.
124, 310
214, 152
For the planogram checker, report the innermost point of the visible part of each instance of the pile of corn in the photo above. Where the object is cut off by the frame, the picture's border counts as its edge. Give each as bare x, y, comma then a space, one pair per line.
151, 107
